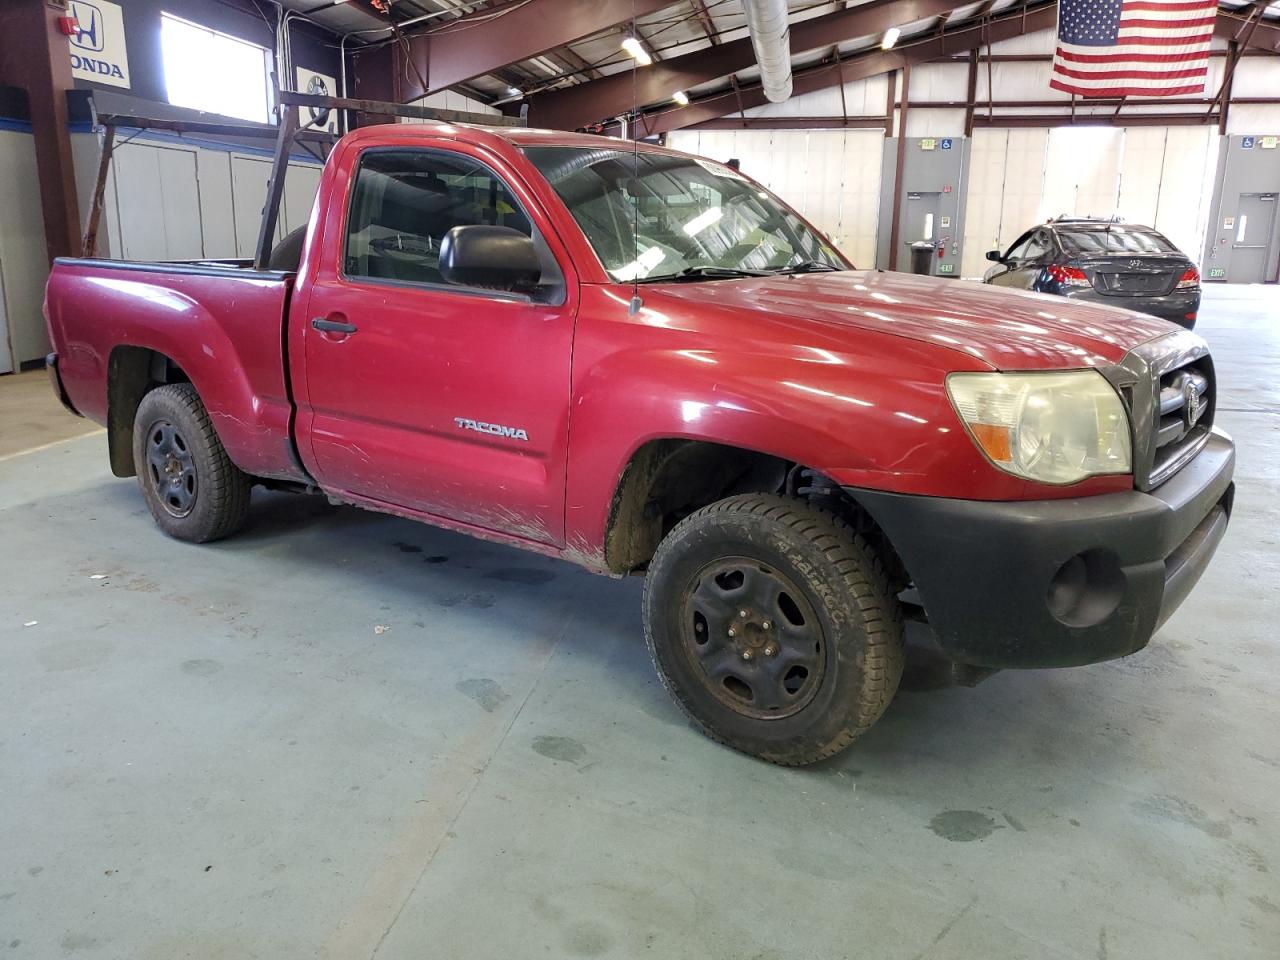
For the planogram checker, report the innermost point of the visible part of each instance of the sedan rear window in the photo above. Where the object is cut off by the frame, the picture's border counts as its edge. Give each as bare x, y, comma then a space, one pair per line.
1116, 239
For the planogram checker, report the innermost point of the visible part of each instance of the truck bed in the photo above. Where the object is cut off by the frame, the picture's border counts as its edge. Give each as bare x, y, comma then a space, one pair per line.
220, 321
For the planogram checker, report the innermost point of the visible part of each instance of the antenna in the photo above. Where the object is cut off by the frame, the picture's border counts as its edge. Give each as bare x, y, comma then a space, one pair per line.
636, 303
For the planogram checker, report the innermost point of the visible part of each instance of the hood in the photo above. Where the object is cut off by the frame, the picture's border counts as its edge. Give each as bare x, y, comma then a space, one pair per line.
1007, 329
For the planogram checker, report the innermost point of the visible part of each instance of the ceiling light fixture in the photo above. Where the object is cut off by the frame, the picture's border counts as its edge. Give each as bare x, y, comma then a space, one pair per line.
514, 92
890, 38
681, 98
634, 47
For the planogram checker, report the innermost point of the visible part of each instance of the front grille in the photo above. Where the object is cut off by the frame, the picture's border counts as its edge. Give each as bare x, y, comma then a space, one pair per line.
1183, 417
1168, 384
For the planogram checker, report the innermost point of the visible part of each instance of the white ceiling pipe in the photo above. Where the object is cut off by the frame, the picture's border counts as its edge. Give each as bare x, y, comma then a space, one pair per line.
771, 40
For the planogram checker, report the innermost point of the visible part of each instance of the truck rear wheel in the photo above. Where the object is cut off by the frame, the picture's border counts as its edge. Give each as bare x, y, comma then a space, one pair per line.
192, 488
773, 627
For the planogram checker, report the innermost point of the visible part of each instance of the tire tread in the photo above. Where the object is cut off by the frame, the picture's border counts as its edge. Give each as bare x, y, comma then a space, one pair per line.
862, 573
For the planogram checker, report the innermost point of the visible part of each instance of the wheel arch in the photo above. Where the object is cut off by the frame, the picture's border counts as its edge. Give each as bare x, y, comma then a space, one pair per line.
667, 479
132, 372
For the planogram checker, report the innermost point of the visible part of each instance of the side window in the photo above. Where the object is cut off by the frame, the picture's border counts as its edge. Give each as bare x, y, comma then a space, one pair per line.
405, 201
1019, 249
1038, 246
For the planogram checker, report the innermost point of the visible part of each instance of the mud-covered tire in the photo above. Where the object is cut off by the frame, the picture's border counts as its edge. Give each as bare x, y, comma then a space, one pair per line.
193, 490
843, 629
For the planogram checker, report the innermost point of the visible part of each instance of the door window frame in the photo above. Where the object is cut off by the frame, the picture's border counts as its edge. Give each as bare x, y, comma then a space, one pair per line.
555, 294
1023, 240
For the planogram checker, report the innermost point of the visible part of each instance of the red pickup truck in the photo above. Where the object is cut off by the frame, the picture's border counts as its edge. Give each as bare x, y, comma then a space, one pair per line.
644, 362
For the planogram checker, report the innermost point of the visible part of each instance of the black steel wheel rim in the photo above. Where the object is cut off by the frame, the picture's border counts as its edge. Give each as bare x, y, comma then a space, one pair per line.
753, 638
171, 469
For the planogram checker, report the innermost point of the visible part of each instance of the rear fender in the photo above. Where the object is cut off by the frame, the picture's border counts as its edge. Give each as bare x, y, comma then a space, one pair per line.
222, 331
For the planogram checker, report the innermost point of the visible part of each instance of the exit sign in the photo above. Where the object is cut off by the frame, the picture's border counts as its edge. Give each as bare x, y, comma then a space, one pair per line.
1217, 273
946, 268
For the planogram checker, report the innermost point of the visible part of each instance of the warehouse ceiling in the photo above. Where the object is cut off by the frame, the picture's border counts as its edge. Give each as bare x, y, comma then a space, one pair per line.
822, 33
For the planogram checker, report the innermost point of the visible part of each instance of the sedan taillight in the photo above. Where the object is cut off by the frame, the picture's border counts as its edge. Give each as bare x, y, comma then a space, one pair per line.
1068, 276
1190, 280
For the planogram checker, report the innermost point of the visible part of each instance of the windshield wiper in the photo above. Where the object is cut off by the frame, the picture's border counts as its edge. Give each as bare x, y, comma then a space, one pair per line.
807, 266
703, 273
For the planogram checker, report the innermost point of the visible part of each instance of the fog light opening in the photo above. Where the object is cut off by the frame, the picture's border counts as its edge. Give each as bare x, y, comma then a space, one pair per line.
1087, 589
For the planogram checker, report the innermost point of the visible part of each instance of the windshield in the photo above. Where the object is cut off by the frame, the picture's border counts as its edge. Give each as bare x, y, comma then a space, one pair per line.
694, 219
1116, 239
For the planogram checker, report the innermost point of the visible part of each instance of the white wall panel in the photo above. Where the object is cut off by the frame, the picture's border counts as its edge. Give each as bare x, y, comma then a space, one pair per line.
249, 176
23, 264
156, 202
1024, 182
449, 100
988, 153
1140, 173
1082, 172
934, 123
1254, 119
1258, 77
1186, 187
179, 195
217, 203
300, 187
862, 98
831, 176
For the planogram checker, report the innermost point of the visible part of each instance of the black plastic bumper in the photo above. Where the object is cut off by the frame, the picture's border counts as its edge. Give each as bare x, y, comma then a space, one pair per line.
55, 379
1180, 307
1057, 583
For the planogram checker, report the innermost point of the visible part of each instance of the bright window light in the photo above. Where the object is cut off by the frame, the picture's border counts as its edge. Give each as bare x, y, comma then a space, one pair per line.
890, 38
703, 220
634, 47
211, 71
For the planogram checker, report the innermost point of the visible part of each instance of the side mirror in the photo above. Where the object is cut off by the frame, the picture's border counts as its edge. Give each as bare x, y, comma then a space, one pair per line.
497, 258
994, 256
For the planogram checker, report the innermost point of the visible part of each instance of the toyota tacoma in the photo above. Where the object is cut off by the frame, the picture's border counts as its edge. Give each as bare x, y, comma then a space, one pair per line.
643, 362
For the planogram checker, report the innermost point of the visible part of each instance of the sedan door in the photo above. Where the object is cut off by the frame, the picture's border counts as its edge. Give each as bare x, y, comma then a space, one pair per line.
1021, 265
423, 396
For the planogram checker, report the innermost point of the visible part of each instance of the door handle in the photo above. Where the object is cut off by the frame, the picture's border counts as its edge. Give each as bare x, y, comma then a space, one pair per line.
333, 326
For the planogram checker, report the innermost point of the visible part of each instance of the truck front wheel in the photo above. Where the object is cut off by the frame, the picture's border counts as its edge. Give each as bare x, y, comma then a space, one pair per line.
192, 488
773, 627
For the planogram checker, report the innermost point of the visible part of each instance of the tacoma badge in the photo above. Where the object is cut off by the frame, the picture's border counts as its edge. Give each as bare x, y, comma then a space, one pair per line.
515, 433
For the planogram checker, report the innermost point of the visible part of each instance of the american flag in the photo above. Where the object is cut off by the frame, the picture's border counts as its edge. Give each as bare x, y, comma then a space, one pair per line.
1133, 48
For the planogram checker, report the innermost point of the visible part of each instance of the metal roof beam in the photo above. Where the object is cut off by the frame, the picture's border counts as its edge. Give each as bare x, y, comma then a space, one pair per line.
1264, 35
611, 96
448, 57
859, 67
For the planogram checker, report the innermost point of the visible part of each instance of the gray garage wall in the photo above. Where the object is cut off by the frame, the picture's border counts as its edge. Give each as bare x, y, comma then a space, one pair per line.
934, 183
1242, 169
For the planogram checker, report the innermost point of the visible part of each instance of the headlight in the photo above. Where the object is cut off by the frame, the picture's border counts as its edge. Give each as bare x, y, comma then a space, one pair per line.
1047, 427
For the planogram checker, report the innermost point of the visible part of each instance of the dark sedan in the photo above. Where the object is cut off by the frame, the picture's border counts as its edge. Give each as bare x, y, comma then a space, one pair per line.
1121, 264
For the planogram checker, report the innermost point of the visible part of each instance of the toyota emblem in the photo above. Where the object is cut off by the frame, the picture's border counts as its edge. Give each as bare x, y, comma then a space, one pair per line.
1191, 398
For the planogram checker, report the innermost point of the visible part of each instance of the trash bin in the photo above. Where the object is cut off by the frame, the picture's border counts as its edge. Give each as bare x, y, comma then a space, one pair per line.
922, 257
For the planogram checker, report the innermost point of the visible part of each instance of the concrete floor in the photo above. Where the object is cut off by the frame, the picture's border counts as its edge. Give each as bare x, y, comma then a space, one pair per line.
215, 752
31, 417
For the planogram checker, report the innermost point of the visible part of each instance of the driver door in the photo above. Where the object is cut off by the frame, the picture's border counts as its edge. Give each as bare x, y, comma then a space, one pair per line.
444, 400
1021, 264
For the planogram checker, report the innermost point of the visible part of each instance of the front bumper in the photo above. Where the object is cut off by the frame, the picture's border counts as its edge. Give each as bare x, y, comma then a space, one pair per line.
1180, 307
1058, 583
